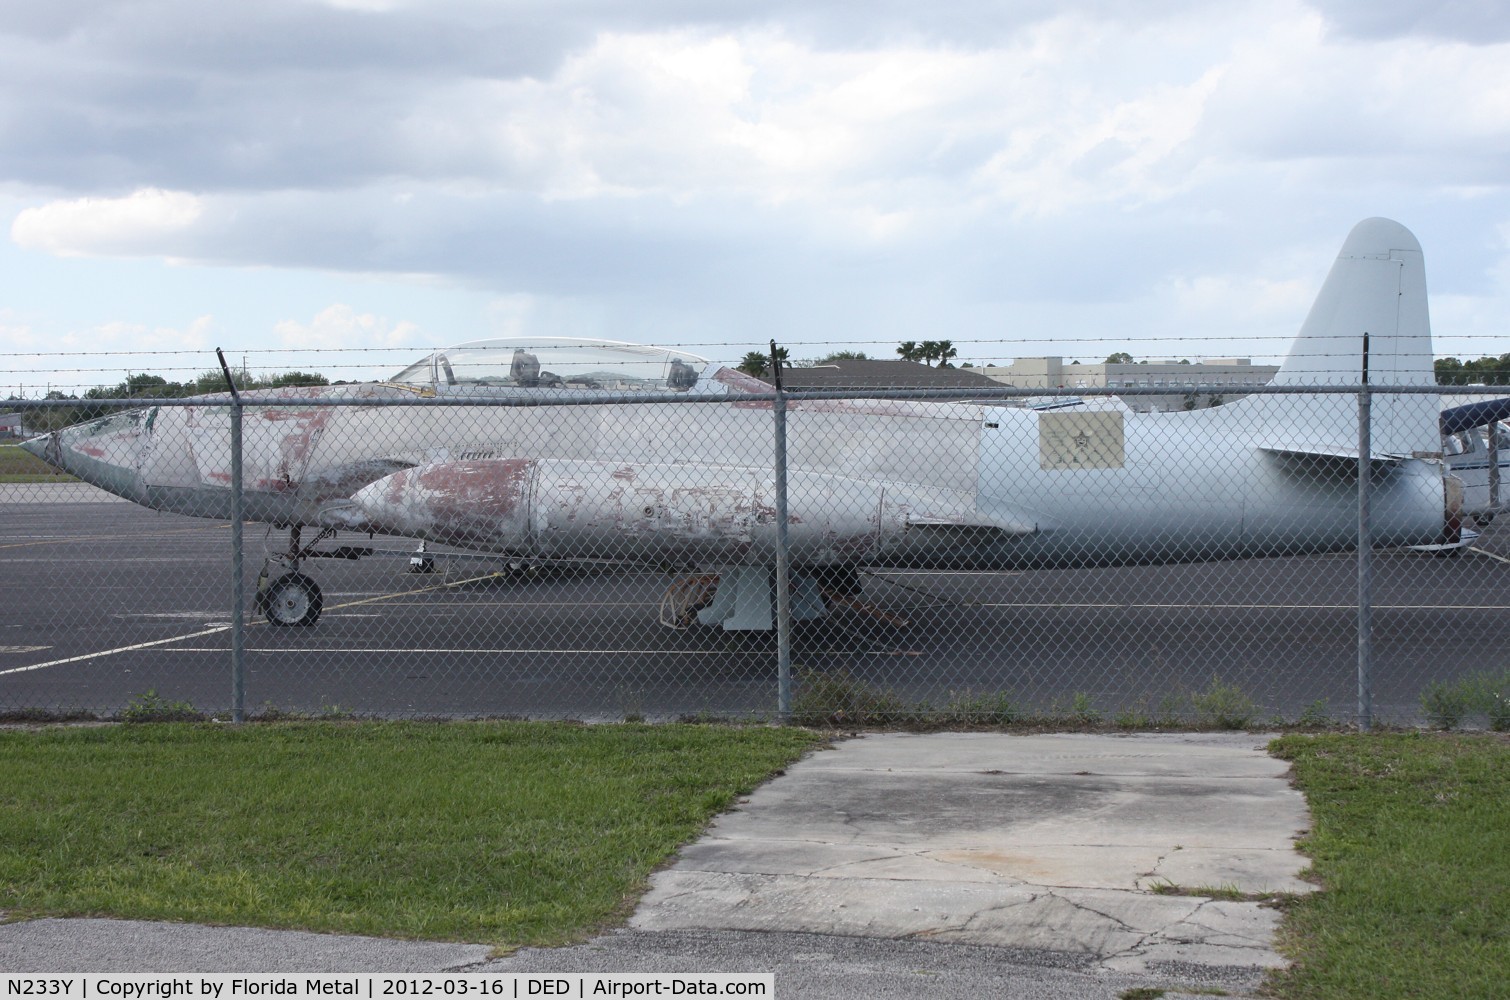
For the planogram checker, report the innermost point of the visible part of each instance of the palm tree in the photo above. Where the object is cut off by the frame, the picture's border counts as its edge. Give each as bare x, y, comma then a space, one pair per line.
758, 363
754, 363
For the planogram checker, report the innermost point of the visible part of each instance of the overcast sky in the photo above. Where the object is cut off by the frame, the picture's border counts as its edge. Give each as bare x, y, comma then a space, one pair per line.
1022, 177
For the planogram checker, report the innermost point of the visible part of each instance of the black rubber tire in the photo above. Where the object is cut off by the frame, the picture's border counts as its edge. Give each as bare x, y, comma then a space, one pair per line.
291, 600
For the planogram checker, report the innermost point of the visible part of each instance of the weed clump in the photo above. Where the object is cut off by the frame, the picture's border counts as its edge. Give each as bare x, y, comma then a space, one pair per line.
150, 707
1448, 704
1080, 710
1445, 703
1223, 705
841, 699
1316, 716
969, 708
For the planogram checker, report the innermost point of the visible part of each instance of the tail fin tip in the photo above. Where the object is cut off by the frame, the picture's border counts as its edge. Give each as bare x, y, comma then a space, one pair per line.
1378, 239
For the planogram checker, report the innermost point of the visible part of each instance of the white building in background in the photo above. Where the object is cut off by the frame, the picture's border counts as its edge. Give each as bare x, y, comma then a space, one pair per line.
1198, 384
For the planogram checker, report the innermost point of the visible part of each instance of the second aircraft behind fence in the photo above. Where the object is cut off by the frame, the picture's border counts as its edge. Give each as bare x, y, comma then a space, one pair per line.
686, 480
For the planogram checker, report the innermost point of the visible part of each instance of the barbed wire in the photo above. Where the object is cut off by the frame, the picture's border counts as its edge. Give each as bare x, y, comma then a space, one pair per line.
825, 346
337, 363
955, 362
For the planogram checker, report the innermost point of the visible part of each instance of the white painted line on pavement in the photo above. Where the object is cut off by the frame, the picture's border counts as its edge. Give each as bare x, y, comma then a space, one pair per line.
1125, 606
415, 649
212, 631
111, 652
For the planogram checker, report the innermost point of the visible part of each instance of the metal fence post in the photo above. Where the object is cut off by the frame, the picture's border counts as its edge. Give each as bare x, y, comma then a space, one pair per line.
1493, 438
783, 593
1365, 552
238, 575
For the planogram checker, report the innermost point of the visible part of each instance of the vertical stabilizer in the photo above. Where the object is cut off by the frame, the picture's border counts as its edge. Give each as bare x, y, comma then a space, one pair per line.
1377, 287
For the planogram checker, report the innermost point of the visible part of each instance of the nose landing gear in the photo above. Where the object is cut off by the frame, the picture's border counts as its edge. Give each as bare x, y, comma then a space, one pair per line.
291, 598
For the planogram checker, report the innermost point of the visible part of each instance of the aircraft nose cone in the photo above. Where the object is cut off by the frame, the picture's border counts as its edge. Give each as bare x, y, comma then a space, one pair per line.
395, 503
460, 502
38, 447
371, 504
105, 452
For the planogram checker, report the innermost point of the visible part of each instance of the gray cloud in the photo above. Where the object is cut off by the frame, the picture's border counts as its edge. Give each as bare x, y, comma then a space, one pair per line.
1476, 22
830, 172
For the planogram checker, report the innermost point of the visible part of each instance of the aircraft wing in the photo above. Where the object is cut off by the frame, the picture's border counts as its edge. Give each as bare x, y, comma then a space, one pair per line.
1327, 453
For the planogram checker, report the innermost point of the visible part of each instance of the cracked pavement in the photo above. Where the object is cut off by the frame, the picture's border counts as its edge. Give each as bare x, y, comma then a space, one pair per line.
1043, 842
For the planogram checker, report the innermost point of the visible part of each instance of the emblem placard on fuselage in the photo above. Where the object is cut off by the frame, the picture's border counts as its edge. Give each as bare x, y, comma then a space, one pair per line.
1091, 440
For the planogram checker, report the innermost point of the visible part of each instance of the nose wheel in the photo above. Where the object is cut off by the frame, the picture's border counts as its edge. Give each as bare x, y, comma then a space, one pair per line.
291, 599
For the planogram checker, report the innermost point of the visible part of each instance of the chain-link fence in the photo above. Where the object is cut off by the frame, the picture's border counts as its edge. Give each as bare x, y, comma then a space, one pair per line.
916, 557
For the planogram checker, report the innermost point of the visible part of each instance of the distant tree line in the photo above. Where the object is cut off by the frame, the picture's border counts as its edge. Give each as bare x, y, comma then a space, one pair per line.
1484, 371
146, 386
157, 387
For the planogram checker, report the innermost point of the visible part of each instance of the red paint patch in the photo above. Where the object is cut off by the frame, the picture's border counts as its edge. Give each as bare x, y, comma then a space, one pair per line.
491, 486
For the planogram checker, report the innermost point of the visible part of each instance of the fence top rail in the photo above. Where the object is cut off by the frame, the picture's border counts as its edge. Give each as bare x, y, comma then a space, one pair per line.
982, 396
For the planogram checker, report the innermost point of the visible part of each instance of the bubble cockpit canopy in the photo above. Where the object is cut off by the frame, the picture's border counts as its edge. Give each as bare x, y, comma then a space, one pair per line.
557, 363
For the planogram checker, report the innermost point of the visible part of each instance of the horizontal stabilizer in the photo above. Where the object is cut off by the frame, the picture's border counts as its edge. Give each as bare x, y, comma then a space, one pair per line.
1329, 453
1333, 464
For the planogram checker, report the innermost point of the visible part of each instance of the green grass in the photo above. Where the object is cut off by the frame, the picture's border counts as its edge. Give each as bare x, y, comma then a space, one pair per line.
1411, 842
17, 466
504, 833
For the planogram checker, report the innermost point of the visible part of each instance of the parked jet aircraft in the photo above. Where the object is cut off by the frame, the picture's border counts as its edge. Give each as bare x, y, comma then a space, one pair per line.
872, 481
1476, 446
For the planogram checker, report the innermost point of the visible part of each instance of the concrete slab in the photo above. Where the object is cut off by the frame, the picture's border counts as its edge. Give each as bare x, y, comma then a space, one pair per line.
1030, 842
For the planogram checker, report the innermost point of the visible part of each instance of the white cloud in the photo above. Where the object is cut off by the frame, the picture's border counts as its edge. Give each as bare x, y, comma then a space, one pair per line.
371, 6
136, 224
340, 327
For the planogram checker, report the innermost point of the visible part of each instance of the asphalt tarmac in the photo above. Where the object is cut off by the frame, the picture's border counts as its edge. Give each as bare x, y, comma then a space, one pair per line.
105, 605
